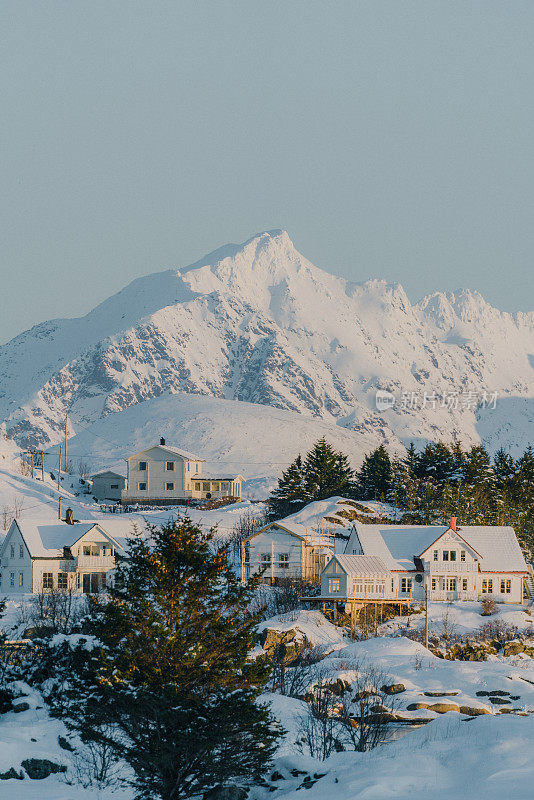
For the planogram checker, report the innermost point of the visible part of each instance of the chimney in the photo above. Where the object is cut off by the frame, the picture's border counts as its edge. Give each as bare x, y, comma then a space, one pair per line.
69, 518
162, 440
453, 524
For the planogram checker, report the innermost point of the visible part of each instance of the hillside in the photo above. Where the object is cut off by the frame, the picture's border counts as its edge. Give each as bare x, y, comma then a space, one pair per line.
259, 323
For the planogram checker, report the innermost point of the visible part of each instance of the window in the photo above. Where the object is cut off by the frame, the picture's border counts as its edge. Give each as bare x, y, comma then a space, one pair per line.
48, 580
21, 551
169, 487
451, 584
452, 555
142, 466
406, 584
433, 584
435, 555
95, 550
169, 466
113, 485
87, 550
487, 586
11, 578
142, 486
445, 555
62, 580
283, 560
506, 586
206, 486
21, 579
462, 555
266, 559
197, 486
12, 551
334, 585
464, 584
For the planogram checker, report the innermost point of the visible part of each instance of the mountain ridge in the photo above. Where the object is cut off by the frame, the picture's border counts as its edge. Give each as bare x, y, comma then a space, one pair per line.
259, 322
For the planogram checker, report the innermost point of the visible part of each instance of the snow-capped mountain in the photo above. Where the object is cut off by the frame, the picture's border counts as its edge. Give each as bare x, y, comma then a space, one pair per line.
258, 322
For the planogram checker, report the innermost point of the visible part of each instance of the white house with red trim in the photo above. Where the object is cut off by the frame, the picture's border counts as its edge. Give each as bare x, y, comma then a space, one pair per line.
452, 563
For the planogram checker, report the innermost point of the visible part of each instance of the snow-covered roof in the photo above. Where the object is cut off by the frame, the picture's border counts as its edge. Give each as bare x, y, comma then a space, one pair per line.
170, 449
363, 566
108, 474
396, 545
45, 540
217, 476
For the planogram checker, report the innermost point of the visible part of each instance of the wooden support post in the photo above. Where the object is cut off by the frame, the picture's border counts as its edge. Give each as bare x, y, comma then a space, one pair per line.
65, 462
59, 470
33, 466
42, 465
426, 614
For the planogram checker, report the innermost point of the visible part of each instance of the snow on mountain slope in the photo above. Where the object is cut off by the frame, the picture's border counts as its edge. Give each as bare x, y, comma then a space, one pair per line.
257, 322
256, 440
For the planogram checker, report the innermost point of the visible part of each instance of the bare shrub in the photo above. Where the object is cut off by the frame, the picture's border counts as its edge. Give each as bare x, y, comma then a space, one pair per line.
55, 610
497, 630
447, 628
318, 724
295, 677
95, 766
488, 607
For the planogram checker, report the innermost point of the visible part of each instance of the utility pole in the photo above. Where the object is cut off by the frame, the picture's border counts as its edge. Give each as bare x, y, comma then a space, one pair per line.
33, 466
426, 613
65, 461
59, 471
42, 465
59, 508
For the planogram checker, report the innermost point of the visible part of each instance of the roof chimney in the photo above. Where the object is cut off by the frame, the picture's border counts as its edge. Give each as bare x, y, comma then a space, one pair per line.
453, 524
69, 518
162, 441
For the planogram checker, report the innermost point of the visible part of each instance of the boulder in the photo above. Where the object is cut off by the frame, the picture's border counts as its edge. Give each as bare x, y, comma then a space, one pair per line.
499, 701
6, 698
65, 744
498, 693
11, 774
39, 768
277, 776
394, 688
443, 708
21, 707
287, 645
440, 694
230, 792
513, 648
416, 706
473, 711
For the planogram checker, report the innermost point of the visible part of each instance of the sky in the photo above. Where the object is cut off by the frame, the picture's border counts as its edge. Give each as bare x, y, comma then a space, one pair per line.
390, 139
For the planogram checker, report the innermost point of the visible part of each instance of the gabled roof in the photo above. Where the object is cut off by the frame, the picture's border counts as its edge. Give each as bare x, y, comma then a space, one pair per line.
108, 474
47, 540
362, 566
396, 545
169, 449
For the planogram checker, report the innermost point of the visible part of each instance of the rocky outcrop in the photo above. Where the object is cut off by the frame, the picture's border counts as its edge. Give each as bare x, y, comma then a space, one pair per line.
39, 768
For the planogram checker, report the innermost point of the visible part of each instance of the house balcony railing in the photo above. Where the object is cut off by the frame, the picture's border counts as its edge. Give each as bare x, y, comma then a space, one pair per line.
106, 562
452, 567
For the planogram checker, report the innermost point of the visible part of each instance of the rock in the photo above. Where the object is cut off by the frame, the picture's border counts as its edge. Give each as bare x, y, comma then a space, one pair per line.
440, 694
286, 645
296, 772
277, 776
515, 696
361, 695
21, 707
416, 706
506, 710
6, 698
11, 774
443, 708
499, 701
473, 711
394, 688
39, 768
65, 744
499, 693
482, 693
339, 687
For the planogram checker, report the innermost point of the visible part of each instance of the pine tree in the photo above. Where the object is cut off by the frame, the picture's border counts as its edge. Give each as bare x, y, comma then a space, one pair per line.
327, 472
169, 669
375, 479
411, 460
504, 468
290, 494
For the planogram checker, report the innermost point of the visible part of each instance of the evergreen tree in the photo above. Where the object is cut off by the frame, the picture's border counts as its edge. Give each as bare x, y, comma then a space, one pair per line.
167, 668
411, 461
327, 472
503, 467
375, 479
290, 494
437, 463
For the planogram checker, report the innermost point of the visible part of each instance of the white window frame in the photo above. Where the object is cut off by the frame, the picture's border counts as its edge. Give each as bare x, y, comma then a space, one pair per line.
436, 555
21, 580
462, 555
141, 486
283, 560
21, 551
12, 579
169, 486
334, 585
143, 466
48, 580
445, 556
169, 466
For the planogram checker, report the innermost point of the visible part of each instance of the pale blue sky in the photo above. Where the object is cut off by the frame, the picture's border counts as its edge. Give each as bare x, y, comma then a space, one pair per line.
391, 139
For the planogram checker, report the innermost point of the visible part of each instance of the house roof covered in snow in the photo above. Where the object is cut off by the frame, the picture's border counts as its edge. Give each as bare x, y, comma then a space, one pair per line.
46, 540
363, 566
169, 449
397, 545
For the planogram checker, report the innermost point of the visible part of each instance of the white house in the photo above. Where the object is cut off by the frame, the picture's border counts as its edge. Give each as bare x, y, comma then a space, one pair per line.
286, 549
166, 475
36, 556
449, 562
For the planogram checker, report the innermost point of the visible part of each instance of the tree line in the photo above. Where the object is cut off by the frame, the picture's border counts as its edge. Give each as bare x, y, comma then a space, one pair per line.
426, 486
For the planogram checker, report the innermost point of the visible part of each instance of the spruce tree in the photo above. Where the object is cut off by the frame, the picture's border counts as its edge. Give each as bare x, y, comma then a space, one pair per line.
327, 472
503, 467
290, 494
169, 669
375, 479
